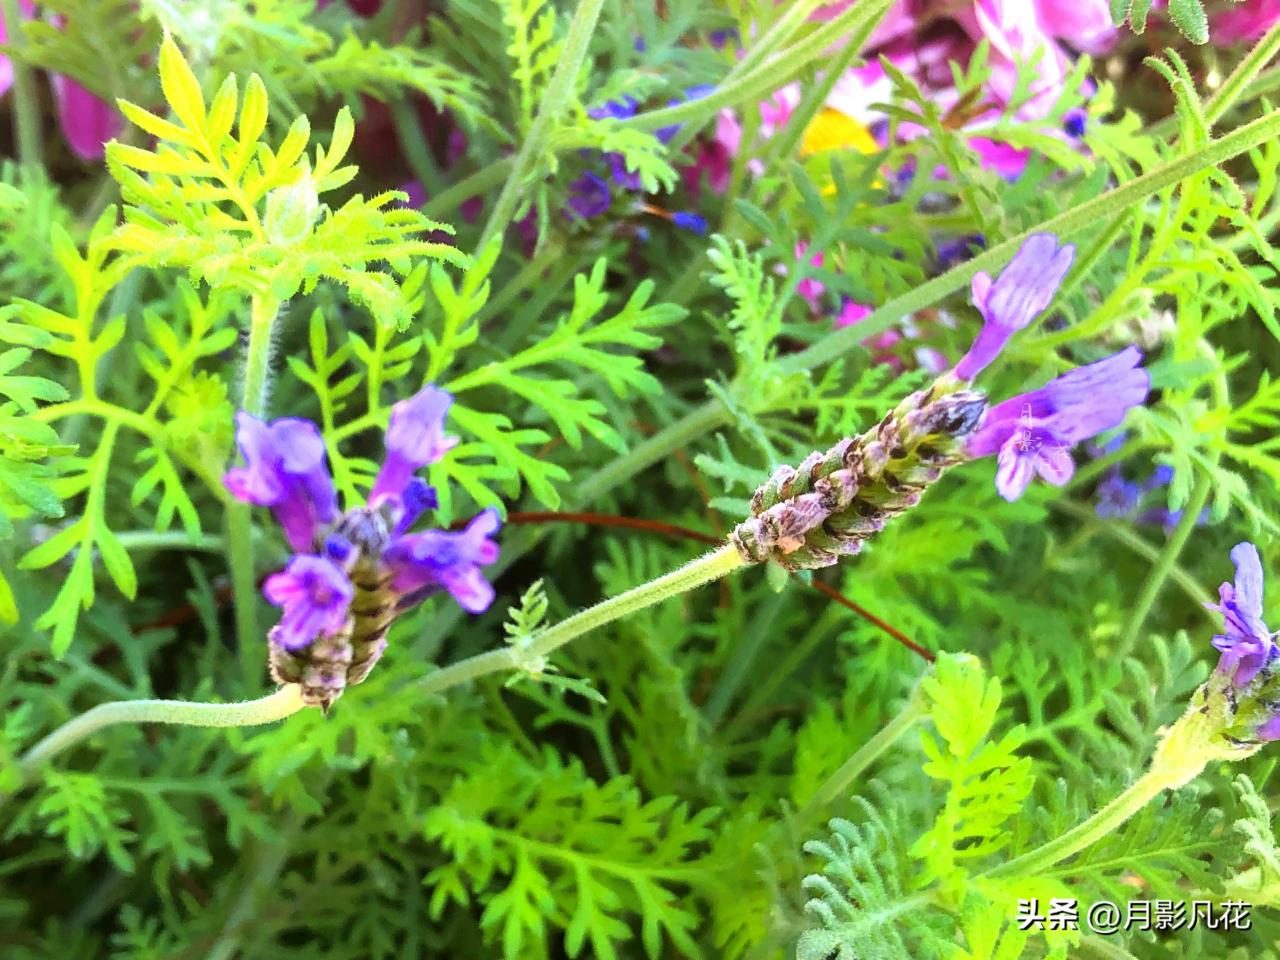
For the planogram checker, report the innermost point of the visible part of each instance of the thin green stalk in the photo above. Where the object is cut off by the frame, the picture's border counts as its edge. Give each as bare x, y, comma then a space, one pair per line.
413, 142
705, 569
914, 710
285, 701
745, 652
858, 21
1166, 564
26, 111
169, 540
1121, 532
1242, 76
472, 186
554, 102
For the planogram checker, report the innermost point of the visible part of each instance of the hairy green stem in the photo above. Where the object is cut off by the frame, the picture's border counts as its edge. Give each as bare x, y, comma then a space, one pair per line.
26, 111
1082, 836
705, 569
285, 701
913, 711
257, 370
1242, 76
170, 540
554, 101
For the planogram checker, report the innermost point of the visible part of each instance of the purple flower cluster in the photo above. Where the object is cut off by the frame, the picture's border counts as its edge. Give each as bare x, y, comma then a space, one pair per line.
285, 469
1033, 434
1119, 498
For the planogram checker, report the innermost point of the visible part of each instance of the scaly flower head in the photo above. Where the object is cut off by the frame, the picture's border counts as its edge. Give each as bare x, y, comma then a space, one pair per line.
1034, 433
1024, 289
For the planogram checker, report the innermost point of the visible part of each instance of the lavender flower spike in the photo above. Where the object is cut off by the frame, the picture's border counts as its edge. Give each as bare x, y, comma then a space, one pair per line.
285, 470
1245, 642
315, 594
1033, 433
425, 562
1024, 288
415, 438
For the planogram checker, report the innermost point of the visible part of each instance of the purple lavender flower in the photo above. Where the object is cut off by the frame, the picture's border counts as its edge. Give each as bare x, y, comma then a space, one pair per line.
1246, 643
426, 562
588, 196
285, 470
316, 596
415, 438
355, 572
1025, 287
1033, 433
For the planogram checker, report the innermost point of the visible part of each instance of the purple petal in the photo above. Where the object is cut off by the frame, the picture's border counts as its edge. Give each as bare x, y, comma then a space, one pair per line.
1024, 288
285, 470
315, 594
1014, 471
448, 559
1071, 408
415, 438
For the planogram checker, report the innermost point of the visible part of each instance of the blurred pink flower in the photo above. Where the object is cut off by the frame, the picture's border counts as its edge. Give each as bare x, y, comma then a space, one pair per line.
87, 121
1244, 21
809, 288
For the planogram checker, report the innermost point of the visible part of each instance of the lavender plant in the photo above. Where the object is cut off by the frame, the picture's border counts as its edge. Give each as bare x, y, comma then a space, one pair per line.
889, 304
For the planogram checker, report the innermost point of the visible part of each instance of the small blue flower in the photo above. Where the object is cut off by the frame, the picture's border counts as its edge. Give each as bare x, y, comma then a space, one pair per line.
1074, 123
686, 220
696, 92
615, 109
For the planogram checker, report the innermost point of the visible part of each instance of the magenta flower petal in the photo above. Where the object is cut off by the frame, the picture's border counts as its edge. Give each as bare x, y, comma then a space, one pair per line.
1023, 290
415, 438
285, 470
315, 594
87, 121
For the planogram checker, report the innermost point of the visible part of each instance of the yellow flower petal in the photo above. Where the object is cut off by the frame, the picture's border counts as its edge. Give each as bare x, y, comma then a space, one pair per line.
833, 130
